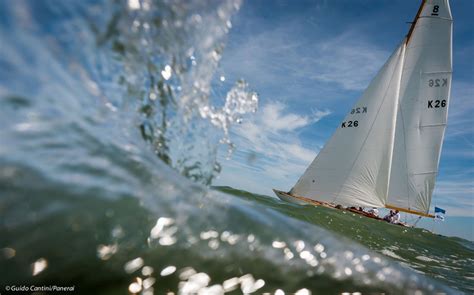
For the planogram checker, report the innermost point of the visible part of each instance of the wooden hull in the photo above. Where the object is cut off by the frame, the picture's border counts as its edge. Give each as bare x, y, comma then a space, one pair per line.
289, 198
284, 196
300, 200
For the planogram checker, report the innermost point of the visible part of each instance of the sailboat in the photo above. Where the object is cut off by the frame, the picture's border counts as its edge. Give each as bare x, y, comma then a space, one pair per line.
386, 151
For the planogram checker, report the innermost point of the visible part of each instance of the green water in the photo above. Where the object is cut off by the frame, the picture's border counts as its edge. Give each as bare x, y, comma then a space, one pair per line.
448, 259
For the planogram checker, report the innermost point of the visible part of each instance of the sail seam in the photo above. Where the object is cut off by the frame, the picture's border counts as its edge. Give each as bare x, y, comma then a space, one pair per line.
437, 17
423, 173
438, 72
433, 125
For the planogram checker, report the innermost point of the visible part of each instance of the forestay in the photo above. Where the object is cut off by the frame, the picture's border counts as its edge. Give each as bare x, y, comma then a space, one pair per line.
353, 168
423, 108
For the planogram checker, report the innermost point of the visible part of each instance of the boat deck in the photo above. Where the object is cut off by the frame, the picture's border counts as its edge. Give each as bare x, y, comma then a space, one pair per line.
329, 205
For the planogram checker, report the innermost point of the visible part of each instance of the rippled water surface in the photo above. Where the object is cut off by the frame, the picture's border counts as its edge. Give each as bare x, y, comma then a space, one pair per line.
109, 134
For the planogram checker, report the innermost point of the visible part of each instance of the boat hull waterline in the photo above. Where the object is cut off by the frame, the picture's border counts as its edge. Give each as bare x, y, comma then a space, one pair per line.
284, 196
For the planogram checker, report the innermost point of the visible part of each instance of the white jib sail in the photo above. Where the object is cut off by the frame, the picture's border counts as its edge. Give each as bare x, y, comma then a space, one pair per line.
353, 168
423, 109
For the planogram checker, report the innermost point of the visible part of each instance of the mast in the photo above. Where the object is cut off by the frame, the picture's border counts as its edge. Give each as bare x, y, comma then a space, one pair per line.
413, 24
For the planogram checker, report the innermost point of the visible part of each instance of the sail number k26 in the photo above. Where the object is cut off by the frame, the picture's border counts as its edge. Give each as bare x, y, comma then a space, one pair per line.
360, 110
436, 104
350, 124
438, 82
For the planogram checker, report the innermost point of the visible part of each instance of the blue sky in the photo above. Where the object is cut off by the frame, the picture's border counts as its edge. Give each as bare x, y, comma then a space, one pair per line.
309, 61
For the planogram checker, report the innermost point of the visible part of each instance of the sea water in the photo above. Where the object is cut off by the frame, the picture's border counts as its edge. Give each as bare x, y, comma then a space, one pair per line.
108, 141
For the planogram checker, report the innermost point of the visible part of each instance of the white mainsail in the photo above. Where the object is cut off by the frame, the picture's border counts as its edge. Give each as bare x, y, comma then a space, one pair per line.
423, 108
386, 151
353, 168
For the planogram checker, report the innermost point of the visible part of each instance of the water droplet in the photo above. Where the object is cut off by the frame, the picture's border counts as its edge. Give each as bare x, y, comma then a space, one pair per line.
117, 232
186, 273
348, 271
8, 253
104, 252
147, 283
168, 270
306, 255
208, 235
303, 291
319, 248
39, 266
259, 284
166, 73
134, 287
167, 241
251, 238
134, 4
299, 245
147, 270
133, 265
213, 244
288, 254
230, 284
278, 244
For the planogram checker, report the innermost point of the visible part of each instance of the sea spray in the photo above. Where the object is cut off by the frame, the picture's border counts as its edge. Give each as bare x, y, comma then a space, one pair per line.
169, 52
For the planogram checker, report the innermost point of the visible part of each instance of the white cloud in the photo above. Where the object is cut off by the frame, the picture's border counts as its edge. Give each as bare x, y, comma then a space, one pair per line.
461, 108
347, 60
268, 147
272, 132
282, 59
274, 119
455, 197
297, 151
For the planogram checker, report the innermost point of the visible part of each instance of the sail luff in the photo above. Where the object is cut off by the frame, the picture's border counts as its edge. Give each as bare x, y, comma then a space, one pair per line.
394, 118
413, 24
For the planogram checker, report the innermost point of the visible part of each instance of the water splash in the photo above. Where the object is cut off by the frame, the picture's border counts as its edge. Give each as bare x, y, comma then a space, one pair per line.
169, 52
